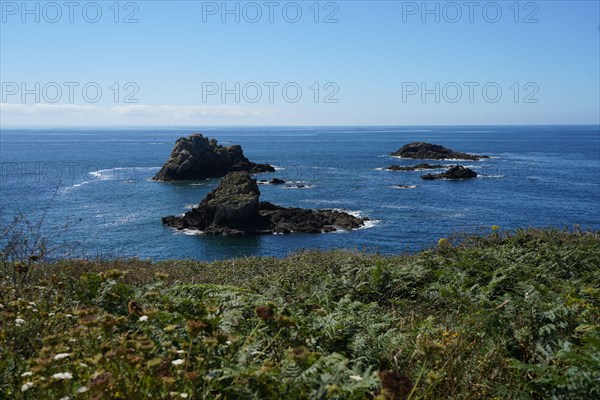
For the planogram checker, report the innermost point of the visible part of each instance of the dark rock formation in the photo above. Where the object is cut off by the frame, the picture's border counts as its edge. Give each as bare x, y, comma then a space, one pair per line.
197, 157
455, 172
276, 181
233, 208
417, 167
428, 151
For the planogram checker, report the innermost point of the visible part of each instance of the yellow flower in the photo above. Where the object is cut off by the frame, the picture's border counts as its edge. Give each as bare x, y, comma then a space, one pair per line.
442, 242
495, 228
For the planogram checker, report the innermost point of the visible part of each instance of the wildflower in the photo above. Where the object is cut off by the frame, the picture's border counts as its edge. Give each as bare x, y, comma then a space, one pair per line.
65, 398
183, 395
68, 316
83, 365
179, 361
180, 351
442, 242
19, 321
495, 228
82, 389
357, 378
28, 373
60, 356
27, 386
63, 376
143, 318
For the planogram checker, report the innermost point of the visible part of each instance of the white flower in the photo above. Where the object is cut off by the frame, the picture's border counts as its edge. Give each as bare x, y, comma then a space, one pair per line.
180, 351
19, 321
27, 386
28, 373
82, 365
60, 356
177, 362
356, 377
183, 395
65, 398
82, 389
63, 376
68, 316
143, 318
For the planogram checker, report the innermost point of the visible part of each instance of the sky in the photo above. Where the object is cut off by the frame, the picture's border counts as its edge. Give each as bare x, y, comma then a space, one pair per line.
205, 63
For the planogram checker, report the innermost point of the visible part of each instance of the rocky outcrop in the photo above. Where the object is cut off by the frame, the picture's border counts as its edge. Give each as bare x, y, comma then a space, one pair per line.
274, 181
197, 157
233, 208
418, 167
428, 151
455, 172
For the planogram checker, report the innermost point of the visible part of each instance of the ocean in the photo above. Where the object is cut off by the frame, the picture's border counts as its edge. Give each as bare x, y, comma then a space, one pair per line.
92, 186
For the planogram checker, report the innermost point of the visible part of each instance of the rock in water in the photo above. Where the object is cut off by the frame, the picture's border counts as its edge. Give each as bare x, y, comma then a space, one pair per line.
428, 151
233, 208
456, 172
197, 157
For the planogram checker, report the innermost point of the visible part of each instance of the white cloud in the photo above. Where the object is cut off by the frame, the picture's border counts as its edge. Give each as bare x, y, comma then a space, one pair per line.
47, 109
138, 110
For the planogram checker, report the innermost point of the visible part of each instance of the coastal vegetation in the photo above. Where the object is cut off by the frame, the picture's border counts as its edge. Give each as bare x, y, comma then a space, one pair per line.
502, 315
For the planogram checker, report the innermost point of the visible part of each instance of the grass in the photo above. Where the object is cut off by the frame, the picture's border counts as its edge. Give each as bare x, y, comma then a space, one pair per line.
502, 316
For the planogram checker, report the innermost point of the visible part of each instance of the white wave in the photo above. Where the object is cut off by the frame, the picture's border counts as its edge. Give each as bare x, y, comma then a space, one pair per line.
404, 186
75, 186
80, 184
370, 224
190, 232
106, 174
190, 206
297, 187
277, 168
357, 214
491, 176
435, 159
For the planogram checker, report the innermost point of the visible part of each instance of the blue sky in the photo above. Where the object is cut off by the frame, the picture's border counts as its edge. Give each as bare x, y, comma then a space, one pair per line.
381, 63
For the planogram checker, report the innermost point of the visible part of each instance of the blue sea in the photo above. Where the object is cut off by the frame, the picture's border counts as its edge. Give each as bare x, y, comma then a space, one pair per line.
92, 187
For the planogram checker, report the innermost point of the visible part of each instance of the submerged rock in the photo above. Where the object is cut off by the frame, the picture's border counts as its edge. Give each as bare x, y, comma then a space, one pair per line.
428, 151
455, 172
197, 157
233, 208
417, 167
276, 181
